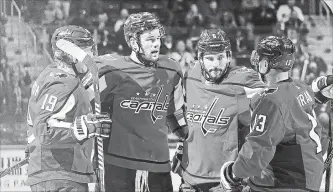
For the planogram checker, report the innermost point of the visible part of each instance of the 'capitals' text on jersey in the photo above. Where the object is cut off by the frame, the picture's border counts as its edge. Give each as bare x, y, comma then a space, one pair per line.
218, 118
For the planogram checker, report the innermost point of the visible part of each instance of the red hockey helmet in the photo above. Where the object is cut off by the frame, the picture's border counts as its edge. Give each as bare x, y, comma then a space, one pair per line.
138, 23
278, 52
213, 40
75, 34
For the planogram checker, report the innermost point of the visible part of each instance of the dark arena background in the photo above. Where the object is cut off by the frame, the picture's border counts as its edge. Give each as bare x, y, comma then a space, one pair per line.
26, 27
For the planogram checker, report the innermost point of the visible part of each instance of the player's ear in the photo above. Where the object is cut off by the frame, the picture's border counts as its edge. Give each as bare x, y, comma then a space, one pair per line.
263, 66
229, 56
134, 44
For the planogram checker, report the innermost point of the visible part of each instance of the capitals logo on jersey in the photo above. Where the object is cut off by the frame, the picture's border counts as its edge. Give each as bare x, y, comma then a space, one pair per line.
148, 102
209, 122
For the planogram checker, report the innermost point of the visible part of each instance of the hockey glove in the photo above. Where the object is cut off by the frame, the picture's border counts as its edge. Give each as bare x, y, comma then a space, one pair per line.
178, 157
323, 88
218, 188
184, 187
86, 79
229, 181
181, 132
91, 125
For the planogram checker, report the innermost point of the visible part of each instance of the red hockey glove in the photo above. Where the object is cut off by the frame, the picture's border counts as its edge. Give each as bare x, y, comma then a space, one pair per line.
178, 157
181, 132
323, 88
185, 187
229, 182
91, 125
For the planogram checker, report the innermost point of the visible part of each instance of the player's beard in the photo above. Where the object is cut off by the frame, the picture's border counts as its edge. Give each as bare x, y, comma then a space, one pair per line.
149, 57
154, 56
215, 73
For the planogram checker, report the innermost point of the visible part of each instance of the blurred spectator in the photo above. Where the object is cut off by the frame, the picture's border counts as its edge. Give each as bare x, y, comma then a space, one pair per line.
66, 7
25, 13
195, 30
190, 47
43, 40
264, 19
227, 5
82, 19
18, 95
276, 4
285, 12
120, 43
249, 5
296, 29
165, 15
244, 22
59, 14
102, 19
49, 14
182, 56
322, 114
2, 94
317, 66
53, 13
228, 20
179, 9
3, 54
25, 85
120, 22
95, 7
85, 5
242, 45
27, 77
3, 20
213, 15
167, 45
193, 14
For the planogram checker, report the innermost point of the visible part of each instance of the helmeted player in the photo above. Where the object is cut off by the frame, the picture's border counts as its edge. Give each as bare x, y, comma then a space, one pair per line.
218, 116
284, 150
142, 92
60, 121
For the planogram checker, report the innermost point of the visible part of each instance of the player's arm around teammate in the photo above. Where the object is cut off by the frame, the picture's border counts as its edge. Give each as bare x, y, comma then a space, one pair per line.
283, 152
60, 122
218, 116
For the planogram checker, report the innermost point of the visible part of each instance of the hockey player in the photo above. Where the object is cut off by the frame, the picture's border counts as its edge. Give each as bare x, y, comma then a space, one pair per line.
284, 150
60, 121
142, 92
218, 115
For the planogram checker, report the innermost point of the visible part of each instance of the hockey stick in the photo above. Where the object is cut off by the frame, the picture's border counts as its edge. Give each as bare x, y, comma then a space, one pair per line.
328, 162
12, 168
82, 56
306, 63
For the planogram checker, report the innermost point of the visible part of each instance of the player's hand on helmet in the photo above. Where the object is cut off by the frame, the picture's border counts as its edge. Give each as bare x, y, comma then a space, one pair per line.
91, 125
177, 158
323, 88
229, 182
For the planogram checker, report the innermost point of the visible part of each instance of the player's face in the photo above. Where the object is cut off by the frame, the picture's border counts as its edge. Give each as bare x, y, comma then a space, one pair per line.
150, 44
215, 64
